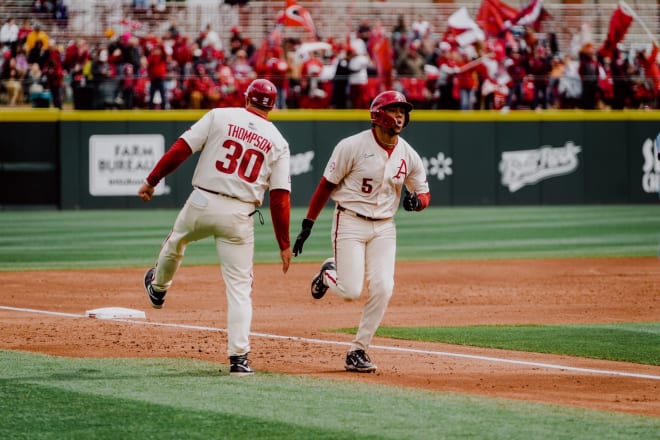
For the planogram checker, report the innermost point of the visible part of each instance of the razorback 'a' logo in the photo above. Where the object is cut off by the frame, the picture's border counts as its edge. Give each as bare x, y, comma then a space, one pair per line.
402, 171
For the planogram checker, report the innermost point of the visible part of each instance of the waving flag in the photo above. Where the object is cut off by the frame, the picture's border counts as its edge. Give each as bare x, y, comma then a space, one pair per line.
495, 17
295, 15
619, 24
531, 15
462, 29
382, 54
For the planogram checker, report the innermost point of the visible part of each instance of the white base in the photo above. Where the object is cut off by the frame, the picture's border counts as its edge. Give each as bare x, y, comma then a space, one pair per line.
115, 313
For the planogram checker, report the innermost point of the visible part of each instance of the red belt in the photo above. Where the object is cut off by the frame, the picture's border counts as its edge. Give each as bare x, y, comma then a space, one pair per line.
357, 214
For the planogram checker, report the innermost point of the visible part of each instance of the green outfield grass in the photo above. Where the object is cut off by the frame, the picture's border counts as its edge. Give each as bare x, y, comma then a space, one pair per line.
45, 397
126, 238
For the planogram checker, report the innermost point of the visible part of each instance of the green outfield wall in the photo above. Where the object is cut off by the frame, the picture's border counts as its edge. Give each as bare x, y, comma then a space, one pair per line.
98, 159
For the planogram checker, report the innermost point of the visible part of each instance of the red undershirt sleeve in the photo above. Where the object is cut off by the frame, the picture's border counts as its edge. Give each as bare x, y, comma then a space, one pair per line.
320, 198
280, 214
424, 200
175, 156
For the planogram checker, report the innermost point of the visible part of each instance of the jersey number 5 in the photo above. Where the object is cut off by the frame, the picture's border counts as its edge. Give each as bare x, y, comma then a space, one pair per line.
367, 187
248, 164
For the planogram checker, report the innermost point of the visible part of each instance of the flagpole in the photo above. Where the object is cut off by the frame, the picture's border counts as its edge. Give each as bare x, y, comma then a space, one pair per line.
641, 22
470, 64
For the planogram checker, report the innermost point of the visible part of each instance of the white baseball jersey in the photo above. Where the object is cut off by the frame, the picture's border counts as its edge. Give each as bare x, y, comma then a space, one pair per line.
368, 181
235, 142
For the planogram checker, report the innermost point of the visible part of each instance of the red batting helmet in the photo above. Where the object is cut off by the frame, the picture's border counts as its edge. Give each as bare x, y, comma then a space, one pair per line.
384, 99
262, 93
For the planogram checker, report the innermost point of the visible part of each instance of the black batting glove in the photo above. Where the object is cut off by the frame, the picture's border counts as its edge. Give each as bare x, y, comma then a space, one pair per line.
410, 201
304, 235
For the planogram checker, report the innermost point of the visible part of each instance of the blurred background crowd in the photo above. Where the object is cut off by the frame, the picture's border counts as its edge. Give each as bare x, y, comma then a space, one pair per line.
491, 56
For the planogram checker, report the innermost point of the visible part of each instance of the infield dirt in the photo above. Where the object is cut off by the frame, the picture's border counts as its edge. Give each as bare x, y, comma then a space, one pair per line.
579, 291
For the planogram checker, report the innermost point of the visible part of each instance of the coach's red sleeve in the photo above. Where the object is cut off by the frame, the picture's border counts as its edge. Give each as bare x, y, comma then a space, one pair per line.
280, 214
175, 156
320, 198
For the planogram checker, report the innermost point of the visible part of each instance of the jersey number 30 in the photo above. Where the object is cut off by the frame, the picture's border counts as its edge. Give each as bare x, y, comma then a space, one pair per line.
246, 165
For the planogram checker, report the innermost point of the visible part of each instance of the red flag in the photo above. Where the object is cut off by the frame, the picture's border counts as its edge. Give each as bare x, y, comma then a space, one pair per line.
295, 15
531, 15
495, 16
383, 54
619, 24
462, 30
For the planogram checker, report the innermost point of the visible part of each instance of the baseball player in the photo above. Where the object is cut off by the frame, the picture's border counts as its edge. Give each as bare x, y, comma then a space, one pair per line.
365, 177
241, 154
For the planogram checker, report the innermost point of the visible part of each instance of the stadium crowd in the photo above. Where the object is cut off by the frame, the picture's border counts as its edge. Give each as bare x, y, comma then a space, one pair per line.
133, 69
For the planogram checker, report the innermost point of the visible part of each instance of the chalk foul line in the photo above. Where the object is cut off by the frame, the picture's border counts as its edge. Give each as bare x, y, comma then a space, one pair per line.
378, 347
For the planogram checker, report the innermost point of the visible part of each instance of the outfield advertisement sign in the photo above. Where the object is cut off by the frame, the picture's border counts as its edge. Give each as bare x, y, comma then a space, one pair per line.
98, 160
118, 164
528, 167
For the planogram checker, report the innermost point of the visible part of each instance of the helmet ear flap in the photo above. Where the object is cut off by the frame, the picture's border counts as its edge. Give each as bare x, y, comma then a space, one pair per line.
382, 119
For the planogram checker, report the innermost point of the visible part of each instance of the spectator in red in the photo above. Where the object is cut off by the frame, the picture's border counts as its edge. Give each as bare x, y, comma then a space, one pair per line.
271, 64
54, 76
76, 53
23, 32
202, 90
467, 82
127, 82
651, 70
182, 53
313, 96
157, 71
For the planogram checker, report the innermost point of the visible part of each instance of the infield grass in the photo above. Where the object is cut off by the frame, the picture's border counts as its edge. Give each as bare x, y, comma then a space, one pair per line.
46, 397
629, 342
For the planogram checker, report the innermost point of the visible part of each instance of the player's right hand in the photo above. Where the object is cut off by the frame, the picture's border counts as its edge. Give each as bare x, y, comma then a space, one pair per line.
304, 235
285, 255
145, 192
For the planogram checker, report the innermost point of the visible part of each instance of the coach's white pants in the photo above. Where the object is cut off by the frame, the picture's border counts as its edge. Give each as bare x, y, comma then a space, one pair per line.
229, 222
363, 249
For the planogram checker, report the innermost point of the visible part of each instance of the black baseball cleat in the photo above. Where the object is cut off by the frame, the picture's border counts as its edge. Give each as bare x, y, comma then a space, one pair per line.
358, 361
240, 366
318, 287
156, 298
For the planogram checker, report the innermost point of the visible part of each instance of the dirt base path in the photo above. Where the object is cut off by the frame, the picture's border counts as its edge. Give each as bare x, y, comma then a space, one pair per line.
426, 294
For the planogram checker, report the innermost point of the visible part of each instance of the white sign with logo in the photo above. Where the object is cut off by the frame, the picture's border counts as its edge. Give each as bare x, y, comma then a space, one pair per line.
651, 166
527, 167
118, 164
